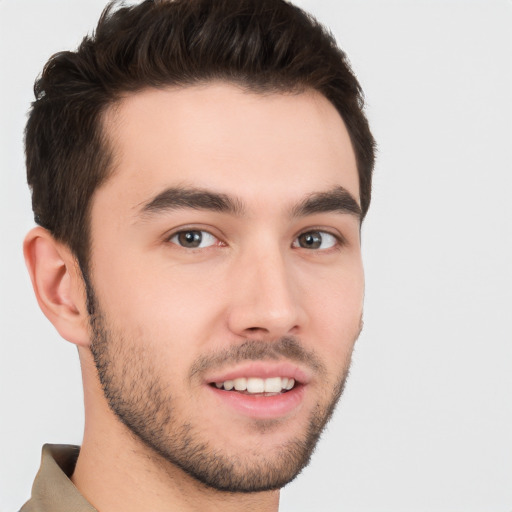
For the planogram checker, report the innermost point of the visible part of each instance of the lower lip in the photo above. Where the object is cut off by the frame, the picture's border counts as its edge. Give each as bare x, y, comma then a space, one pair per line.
262, 407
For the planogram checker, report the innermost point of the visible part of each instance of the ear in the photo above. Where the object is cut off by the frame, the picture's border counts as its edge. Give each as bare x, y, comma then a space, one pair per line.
58, 285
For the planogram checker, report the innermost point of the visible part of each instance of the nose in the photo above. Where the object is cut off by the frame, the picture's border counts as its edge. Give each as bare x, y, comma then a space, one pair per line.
265, 298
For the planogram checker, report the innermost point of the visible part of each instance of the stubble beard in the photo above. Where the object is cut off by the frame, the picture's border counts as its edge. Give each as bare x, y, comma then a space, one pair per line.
129, 378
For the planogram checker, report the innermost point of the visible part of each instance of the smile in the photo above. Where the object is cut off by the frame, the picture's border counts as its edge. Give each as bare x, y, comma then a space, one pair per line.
261, 389
256, 385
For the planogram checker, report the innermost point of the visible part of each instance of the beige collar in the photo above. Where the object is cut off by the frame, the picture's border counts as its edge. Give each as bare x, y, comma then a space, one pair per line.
53, 490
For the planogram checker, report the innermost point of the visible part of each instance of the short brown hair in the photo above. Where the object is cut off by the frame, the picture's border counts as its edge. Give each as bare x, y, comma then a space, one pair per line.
262, 45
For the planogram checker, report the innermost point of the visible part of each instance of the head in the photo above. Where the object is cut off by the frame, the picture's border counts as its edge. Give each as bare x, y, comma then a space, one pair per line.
208, 165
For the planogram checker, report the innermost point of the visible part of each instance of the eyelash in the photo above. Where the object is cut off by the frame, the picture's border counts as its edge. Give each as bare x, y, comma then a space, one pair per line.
184, 232
339, 240
336, 241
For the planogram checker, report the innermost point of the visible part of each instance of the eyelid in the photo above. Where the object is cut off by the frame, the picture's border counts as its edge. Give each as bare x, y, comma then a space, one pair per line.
215, 233
340, 239
206, 238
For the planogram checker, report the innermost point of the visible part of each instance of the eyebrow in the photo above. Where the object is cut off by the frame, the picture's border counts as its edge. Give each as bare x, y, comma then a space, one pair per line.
337, 200
176, 198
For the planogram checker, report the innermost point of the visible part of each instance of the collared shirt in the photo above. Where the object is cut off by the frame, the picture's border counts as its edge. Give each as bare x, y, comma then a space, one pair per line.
53, 490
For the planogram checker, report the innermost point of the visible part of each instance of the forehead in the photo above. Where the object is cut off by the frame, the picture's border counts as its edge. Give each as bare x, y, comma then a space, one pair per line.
219, 137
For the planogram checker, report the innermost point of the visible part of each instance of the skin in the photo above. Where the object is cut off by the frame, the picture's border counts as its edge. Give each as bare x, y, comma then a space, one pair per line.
167, 307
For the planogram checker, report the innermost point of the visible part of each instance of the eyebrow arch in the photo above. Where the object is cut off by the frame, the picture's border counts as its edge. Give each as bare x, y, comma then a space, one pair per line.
336, 200
176, 198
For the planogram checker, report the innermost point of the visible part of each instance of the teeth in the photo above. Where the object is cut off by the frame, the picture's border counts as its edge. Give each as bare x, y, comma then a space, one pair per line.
240, 384
257, 385
273, 385
291, 383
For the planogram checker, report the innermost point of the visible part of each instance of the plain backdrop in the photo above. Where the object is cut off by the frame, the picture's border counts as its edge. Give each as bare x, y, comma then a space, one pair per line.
426, 421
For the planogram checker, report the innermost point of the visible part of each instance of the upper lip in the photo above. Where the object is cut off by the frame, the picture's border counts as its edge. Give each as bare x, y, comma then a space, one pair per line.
262, 370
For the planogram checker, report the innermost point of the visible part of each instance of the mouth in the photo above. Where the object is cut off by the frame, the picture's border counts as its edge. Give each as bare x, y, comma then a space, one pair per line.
261, 390
257, 386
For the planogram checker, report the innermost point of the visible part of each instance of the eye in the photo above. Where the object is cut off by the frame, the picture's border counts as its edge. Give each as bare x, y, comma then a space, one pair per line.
193, 239
315, 240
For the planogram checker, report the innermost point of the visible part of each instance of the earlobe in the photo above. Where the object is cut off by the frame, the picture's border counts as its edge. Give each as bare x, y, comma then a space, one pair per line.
57, 284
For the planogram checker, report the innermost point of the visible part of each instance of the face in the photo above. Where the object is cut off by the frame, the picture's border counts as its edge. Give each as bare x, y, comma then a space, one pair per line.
226, 278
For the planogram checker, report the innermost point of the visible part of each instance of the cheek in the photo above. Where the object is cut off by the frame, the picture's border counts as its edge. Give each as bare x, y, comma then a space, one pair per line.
170, 309
138, 288
335, 315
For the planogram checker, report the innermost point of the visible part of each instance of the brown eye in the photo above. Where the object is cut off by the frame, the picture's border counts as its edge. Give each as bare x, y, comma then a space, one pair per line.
315, 240
193, 239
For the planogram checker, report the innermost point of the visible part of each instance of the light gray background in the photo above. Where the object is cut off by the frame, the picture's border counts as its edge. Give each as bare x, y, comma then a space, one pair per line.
426, 421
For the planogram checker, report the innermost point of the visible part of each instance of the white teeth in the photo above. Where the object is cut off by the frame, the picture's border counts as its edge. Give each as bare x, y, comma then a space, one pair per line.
273, 385
257, 385
240, 384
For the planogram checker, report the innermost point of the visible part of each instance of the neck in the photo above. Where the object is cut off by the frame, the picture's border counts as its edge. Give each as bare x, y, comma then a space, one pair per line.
116, 471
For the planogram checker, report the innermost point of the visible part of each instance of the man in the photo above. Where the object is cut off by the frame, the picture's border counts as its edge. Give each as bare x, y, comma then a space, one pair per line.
199, 173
